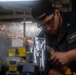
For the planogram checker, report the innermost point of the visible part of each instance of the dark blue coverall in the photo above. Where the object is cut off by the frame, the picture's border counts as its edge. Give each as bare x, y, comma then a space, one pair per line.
66, 39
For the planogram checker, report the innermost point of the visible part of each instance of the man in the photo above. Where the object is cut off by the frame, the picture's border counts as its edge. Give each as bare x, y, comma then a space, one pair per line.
60, 30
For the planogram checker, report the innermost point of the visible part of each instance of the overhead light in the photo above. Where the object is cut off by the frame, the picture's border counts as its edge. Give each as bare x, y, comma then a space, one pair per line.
15, 0
27, 22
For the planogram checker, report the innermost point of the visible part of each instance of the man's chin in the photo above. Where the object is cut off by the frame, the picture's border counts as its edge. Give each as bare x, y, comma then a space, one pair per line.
52, 33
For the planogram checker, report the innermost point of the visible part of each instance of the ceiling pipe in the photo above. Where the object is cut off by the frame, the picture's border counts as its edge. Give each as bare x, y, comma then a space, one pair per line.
2, 17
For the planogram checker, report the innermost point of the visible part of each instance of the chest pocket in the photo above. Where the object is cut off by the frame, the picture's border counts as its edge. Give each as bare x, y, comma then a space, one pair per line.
71, 38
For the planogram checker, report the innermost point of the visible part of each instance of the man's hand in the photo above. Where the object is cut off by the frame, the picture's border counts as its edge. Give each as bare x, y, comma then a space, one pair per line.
74, 73
55, 71
59, 59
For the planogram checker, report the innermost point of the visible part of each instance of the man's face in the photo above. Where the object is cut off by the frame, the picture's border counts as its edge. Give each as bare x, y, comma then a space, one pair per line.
51, 23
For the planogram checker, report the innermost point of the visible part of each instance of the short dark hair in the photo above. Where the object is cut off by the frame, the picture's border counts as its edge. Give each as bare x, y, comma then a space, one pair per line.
42, 9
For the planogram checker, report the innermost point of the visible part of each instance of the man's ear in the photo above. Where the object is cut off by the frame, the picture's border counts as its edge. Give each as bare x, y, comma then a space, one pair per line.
57, 12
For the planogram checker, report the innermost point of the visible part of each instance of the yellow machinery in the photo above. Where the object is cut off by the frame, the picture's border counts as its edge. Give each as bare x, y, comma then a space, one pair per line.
22, 52
19, 52
14, 59
12, 65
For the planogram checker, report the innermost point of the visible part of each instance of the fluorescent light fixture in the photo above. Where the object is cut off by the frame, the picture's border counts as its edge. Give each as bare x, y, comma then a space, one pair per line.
15, 0
27, 22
